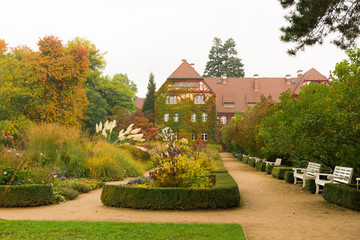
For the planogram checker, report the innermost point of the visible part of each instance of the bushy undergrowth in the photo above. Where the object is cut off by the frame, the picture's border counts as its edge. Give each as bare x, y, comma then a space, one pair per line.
112, 162
55, 145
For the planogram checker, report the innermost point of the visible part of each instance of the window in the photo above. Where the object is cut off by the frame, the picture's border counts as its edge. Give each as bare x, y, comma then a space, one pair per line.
180, 84
204, 117
170, 99
204, 136
223, 120
192, 84
193, 136
197, 84
176, 117
166, 117
193, 117
176, 136
199, 99
228, 104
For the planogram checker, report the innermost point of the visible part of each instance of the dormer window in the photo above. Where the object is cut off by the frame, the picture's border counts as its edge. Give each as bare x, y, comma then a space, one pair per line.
170, 99
229, 104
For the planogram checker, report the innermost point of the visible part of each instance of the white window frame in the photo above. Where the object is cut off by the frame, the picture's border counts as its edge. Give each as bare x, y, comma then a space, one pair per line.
229, 105
204, 136
176, 117
223, 120
193, 117
166, 117
193, 137
199, 99
171, 99
204, 117
176, 136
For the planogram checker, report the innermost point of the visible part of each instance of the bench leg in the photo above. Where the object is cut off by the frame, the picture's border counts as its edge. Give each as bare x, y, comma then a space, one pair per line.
295, 178
317, 189
304, 182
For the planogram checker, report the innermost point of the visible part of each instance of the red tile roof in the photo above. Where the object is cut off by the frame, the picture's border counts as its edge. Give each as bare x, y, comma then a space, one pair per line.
139, 103
185, 70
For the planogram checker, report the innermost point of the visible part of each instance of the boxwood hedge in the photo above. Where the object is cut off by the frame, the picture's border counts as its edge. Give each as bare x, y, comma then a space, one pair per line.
251, 162
30, 195
289, 176
269, 168
260, 166
310, 185
342, 194
278, 172
225, 194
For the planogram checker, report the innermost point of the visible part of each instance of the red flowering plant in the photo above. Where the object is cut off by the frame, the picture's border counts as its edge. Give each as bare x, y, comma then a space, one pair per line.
5, 141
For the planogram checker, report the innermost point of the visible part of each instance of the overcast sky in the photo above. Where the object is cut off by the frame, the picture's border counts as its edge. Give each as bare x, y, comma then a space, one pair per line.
141, 36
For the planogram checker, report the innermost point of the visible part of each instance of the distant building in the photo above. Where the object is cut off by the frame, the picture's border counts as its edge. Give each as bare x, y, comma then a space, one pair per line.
139, 103
193, 105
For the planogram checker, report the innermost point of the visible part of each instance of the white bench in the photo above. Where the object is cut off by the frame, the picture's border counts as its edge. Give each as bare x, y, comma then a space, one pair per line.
357, 183
306, 173
276, 163
340, 175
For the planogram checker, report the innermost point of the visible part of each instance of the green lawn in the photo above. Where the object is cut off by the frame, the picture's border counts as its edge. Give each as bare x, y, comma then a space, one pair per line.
114, 230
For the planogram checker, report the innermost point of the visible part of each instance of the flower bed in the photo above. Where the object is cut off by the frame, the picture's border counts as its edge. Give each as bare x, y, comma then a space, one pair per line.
29, 195
225, 194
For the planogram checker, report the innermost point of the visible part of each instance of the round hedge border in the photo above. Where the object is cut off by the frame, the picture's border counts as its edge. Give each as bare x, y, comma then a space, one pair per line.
29, 195
225, 194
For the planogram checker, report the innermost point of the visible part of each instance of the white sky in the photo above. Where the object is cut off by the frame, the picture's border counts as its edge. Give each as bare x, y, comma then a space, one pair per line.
141, 36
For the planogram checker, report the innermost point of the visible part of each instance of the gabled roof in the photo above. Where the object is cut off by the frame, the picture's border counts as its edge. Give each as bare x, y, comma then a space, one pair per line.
314, 75
139, 103
185, 71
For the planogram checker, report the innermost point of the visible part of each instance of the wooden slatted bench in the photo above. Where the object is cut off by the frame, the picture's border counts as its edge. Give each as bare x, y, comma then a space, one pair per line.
340, 175
306, 173
357, 183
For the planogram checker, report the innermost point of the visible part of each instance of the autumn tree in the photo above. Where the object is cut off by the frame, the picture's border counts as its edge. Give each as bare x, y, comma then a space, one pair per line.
223, 60
149, 103
310, 21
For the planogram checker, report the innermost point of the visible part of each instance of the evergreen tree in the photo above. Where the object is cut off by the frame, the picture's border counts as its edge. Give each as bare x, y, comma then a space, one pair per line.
150, 95
223, 60
312, 20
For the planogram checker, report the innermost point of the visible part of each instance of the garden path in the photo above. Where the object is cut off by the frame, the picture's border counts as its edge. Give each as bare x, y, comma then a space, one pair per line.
270, 209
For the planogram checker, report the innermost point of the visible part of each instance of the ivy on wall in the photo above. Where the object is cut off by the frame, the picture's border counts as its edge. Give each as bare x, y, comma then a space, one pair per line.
185, 107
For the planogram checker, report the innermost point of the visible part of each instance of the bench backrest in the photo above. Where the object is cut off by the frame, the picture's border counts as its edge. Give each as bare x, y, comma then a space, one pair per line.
343, 172
313, 167
277, 162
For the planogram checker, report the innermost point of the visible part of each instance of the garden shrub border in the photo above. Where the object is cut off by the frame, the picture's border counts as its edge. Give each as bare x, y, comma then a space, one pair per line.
279, 172
345, 195
289, 176
251, 162
29, 195
225, 194
310, 185
260, 166
269, 168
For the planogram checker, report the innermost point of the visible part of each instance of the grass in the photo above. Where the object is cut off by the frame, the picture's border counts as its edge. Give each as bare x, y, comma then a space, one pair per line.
115, 230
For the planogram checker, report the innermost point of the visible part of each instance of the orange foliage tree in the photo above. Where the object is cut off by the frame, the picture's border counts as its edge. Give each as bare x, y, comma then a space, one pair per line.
60, 73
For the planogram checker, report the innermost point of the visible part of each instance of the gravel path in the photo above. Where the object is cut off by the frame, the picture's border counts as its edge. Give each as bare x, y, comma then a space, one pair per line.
270, 209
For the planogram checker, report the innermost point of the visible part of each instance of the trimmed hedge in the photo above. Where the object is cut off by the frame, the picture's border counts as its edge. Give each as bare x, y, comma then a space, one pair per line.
269, 168
345, 195
245, 159
251, 162
29, 195
220, 168
310, 185
289, 176
260, 166
225, 194
278, 172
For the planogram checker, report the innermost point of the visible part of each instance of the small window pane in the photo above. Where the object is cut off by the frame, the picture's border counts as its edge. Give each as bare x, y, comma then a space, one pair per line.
166, 117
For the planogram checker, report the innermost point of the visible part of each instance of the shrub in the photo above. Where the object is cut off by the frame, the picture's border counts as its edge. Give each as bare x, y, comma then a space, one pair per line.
269, 168
289, 176
245, 159
137, 153
185, 172
225, 194
251, 162
25, 195
112, 162
260, 166
69, 193
55, 145
77, 186
278, 172
345, 195
310, 185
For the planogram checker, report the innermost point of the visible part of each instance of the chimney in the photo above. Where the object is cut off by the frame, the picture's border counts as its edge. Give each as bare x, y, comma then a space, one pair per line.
299, 73
224, 78
256, 82
183, 60
192, 64
288, 79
